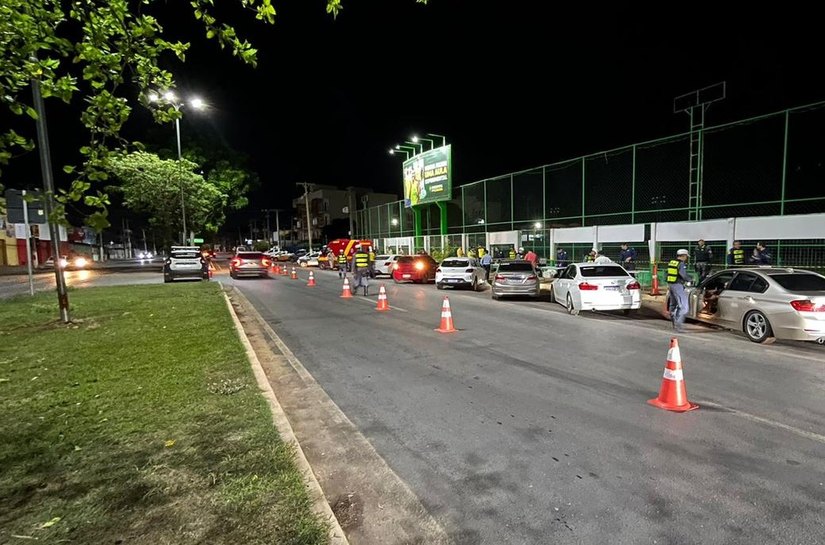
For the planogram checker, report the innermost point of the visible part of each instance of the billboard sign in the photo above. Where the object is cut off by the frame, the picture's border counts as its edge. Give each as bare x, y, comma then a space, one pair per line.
428, 177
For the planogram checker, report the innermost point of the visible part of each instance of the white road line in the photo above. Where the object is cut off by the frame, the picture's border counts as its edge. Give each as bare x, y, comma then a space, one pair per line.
753, 418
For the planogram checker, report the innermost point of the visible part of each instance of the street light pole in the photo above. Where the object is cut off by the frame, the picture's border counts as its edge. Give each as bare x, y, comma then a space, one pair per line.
180, 179
443, 138
306, 205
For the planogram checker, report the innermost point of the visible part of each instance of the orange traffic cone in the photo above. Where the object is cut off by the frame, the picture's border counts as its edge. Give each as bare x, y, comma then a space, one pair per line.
276, 269
294, 275
673, 394
382, 299
311, 283
347, 293
284, 271
446, 318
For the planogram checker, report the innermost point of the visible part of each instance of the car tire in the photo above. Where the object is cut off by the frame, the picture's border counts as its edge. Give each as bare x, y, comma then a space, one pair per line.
303, 264
570, 308
757, 328
496, 297
166, 278
439, 286
552, 294
626, 312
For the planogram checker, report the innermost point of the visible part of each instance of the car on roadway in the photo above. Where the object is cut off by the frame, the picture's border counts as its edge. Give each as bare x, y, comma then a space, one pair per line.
515, 278
75, 262
309, 260
185, 262
460, 272
384, 264
764, 303
414, 268
596, 286
250, 264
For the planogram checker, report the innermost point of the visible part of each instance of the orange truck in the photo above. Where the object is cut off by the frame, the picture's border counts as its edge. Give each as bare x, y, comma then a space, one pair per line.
329, 257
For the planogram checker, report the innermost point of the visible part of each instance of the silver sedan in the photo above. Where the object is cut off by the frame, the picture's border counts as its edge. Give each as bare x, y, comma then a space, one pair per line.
515, 278
764, 303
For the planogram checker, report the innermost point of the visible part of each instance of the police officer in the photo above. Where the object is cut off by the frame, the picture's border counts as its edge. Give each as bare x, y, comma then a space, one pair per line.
511, 254
372, 262
342, 264
627, 257
702, 256
361, 269
561, 258
591, 256
677, 276
736, 255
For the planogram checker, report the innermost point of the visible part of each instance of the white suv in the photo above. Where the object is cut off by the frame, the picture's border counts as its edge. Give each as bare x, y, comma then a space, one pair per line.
185, 262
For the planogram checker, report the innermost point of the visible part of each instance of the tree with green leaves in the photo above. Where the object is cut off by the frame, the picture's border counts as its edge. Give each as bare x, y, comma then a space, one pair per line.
104, 52
153, 186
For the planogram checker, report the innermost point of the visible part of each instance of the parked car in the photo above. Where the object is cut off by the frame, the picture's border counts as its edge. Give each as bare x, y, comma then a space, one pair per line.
414, 268
250, 264
515, 278
596, 286
464, 272
185, 262
384, 264
763, 303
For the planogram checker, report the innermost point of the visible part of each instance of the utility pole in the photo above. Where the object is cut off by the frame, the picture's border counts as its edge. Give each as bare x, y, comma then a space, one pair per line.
277, 225
307, 187
268, 232
351, 210
48, 186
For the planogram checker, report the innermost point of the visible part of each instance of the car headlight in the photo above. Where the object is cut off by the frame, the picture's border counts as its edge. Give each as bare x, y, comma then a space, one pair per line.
63, 262
80, 262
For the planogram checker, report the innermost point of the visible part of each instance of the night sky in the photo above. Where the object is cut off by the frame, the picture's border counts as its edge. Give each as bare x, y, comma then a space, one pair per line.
512, 84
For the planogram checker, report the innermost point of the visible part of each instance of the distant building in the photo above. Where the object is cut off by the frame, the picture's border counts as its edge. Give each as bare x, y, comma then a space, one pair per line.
328, 203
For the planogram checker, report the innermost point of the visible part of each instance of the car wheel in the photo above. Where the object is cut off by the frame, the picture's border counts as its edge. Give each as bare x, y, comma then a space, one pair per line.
166, 278
570, 308
552, 294
232, 275
439, 286
496, 297
303, 264
626, 311
757, 327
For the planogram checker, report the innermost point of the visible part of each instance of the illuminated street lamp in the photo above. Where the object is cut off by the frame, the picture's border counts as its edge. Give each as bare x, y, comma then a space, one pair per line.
443, 138
415, 138
405, 152
195, 103
394, 222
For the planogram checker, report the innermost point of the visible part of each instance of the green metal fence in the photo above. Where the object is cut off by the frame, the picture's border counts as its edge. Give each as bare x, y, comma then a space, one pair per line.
767, 165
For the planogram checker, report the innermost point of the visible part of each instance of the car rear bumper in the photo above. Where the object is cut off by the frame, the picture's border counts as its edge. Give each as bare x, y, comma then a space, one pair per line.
508, 289
249, 271
800, 329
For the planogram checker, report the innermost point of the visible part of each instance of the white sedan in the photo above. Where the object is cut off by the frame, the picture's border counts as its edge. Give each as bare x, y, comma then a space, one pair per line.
309, 260
460, 272
384, 263
592, 286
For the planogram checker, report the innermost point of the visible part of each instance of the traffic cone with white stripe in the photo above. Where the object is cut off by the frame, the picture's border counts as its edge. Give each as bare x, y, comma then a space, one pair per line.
347, 293
673, 394
446, 318
382, 299
276, 269
311, 283
294, 275
284, 271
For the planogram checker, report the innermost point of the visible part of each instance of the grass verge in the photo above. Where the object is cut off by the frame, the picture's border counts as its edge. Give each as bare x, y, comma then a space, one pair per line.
140, 423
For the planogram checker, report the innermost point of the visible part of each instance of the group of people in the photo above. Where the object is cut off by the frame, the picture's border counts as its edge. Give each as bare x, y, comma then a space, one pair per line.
363, 267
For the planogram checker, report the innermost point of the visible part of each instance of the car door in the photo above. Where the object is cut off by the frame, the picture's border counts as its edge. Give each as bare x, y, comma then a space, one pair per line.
737, 299
697, 295
561, 285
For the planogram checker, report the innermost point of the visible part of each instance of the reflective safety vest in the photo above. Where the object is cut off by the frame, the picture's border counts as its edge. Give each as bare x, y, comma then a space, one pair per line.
589, 258
481, 252
362, 260
342, 259
738, 256
673, 271
512, 254
372, 257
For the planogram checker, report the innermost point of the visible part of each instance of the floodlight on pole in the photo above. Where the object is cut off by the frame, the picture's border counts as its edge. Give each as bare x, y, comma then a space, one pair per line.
442, 137
416, 138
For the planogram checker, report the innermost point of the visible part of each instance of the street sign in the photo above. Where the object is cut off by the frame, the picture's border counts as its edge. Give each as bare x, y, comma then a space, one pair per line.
14, 206
197, 241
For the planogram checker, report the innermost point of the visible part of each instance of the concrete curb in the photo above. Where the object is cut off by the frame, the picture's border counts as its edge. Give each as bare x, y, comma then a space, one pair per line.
319, 502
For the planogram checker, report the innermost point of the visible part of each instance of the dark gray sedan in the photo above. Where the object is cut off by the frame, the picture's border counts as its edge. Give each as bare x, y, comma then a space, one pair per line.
515, 278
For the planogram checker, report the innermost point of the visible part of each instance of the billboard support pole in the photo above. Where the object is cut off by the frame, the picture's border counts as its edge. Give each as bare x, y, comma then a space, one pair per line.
442, 207
419, 240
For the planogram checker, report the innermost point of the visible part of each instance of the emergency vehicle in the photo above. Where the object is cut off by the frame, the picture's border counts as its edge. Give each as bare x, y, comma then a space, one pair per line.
329, 258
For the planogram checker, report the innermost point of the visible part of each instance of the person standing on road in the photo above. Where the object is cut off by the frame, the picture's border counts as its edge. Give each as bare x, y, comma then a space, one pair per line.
342, 264
702, 256
487, 262
677, 300
736, 255
561, 258
627, 257
511, 255
361, 269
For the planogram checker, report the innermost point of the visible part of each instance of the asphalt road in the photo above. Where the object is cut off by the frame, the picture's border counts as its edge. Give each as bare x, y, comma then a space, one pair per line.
530, 426
13, 285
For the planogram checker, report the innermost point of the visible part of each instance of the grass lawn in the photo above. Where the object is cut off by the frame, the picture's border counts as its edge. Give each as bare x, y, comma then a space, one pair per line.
139, 424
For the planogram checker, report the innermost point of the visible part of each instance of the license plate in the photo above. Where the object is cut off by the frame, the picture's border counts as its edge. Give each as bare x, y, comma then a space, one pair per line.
612, 288
405, 276
452, 280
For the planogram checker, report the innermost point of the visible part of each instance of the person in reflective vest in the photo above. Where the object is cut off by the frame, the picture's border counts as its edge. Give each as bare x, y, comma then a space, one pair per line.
342, 264
512, 253
372, 263
702, 256
736, 255
591, 256
361, 270
677, 276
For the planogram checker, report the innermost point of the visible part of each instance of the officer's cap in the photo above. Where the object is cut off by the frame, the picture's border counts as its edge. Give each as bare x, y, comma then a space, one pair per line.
682, 252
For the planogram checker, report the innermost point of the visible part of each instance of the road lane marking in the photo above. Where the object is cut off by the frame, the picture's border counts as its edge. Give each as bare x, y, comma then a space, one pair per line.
767, 421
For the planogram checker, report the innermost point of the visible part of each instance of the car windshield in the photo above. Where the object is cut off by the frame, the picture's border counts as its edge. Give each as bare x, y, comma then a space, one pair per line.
592, 271
250, 255
800, 281
515, 267
455, 263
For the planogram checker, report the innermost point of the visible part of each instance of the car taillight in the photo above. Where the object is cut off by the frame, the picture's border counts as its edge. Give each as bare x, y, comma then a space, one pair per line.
395, 267
634, 286
236, 262
532, 277
265, 262
499, 277
584, 286
419, 265
807, 305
